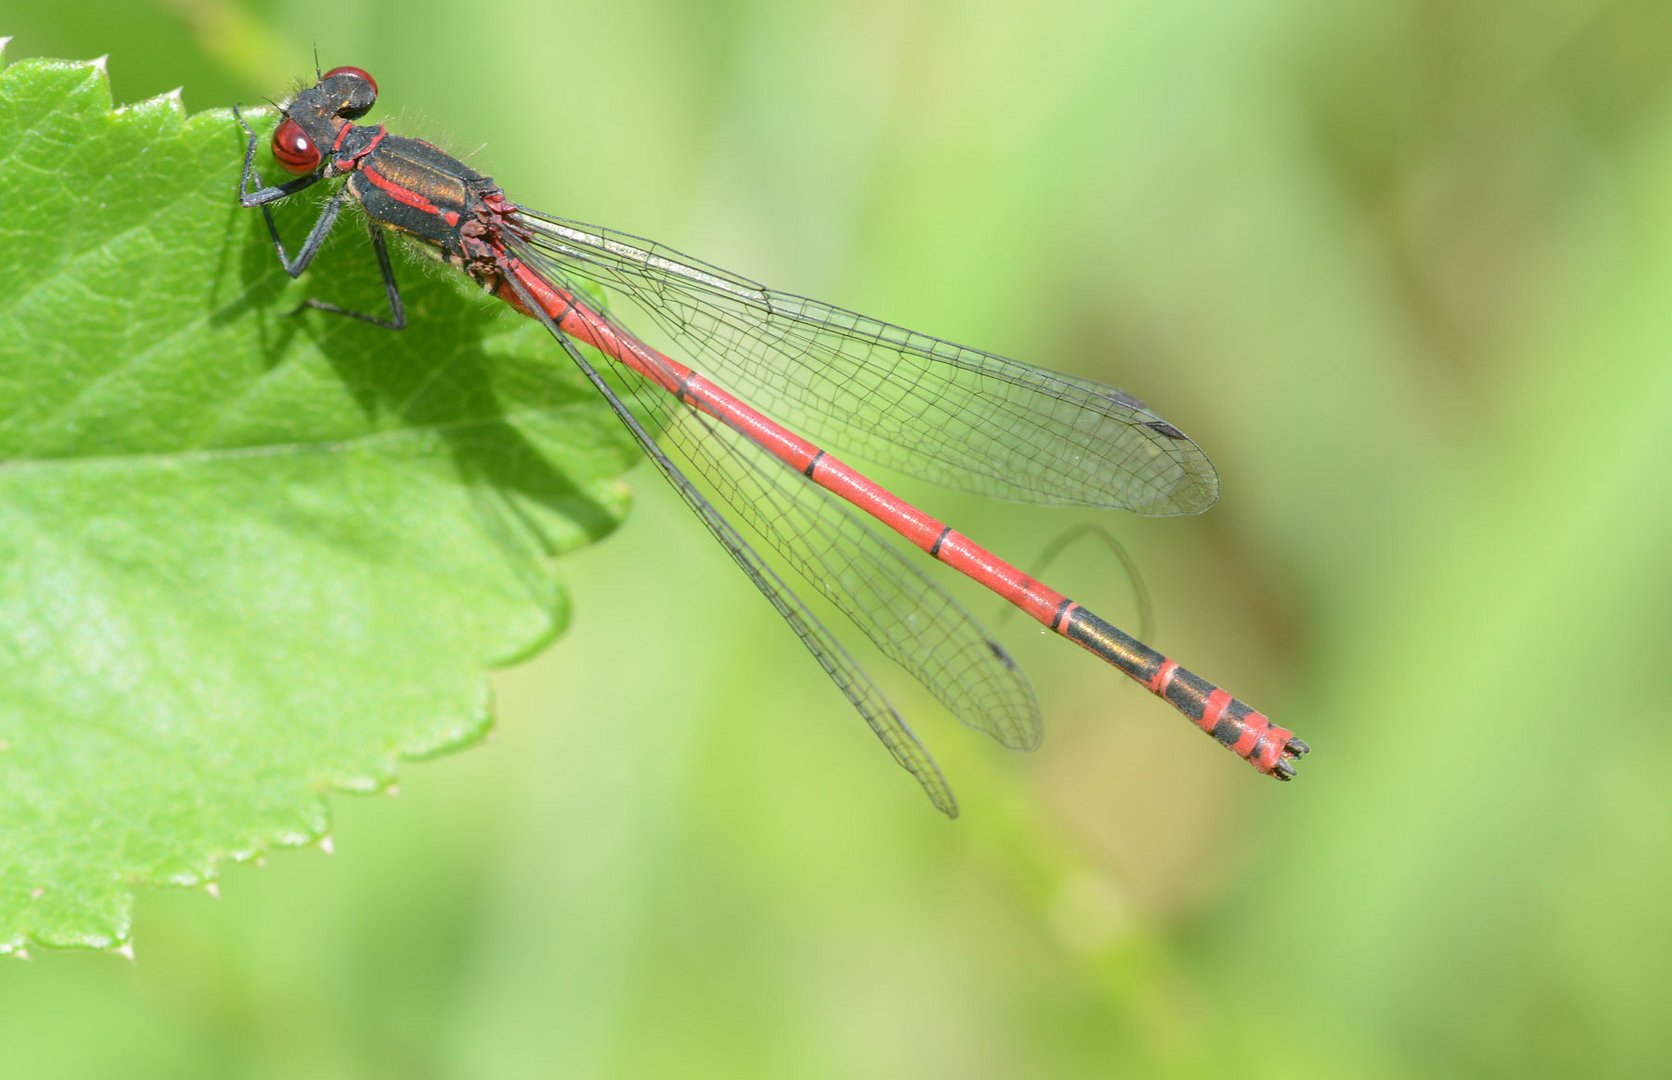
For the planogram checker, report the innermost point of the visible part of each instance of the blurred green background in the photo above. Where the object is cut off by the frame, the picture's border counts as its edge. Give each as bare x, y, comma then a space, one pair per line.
1402, 270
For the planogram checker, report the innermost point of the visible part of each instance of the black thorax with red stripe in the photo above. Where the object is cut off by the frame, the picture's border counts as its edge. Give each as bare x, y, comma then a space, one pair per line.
405, 184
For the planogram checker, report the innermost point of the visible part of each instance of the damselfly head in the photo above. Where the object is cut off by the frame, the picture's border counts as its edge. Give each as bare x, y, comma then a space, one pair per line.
315, 117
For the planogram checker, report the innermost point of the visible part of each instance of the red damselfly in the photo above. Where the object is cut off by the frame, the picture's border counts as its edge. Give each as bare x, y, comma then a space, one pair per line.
946, 413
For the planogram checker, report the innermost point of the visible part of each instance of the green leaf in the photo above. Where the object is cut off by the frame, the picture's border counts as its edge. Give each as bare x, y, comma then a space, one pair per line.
245, 558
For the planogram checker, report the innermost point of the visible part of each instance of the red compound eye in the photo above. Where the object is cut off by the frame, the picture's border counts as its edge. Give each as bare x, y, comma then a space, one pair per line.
293, 150
358, 73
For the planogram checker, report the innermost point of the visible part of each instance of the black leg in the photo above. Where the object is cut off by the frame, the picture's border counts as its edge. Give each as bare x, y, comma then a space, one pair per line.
261, 196
264, 197
397, 310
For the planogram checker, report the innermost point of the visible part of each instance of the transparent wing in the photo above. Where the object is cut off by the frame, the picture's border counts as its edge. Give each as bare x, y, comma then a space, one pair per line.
884, 592
855, 685
871, 390
887, 596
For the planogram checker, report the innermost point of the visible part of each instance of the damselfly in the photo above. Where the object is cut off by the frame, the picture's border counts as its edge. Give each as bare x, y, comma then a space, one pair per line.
950, 414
